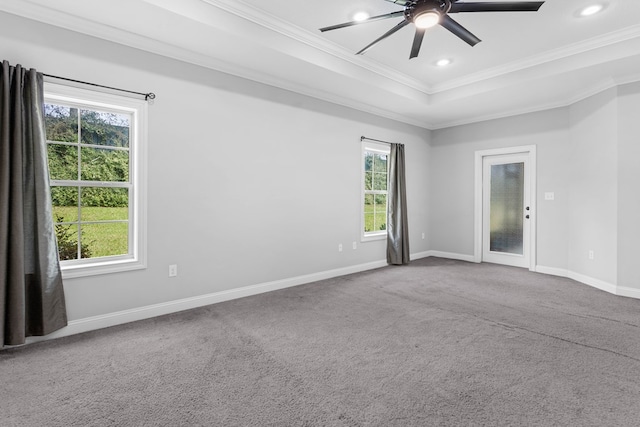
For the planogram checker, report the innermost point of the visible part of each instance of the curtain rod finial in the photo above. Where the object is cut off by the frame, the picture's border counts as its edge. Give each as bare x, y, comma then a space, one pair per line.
149, 96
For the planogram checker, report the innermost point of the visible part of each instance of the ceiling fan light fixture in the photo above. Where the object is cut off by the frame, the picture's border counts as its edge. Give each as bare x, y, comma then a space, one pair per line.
427, 19
424, 14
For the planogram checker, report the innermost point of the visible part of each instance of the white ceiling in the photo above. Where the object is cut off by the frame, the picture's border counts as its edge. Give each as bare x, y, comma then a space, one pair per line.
526, 61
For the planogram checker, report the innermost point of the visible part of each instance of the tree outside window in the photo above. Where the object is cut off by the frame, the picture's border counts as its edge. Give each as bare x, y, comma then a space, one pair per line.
375, 191
95, 146
89, 170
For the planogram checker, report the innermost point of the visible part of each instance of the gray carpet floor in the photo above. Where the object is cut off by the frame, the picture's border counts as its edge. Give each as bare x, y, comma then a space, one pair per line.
435, 343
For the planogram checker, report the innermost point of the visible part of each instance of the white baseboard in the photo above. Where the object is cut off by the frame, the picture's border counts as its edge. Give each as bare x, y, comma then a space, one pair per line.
595, 283
623, 291
451, 255
552, 271
590, 281
125, 316
147, 312
419, 255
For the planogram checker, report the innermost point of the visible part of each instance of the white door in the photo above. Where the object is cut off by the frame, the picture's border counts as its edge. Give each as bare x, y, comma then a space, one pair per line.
506, 209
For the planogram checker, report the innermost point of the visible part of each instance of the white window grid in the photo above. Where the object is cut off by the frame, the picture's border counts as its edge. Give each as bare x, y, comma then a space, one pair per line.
136, 109
374, 148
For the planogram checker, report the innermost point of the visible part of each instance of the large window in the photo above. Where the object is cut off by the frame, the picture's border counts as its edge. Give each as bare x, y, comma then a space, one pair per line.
96, 151
374, 184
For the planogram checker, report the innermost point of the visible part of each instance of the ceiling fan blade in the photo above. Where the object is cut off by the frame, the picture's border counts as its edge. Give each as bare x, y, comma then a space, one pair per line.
457, 29
402, 2
494, 6
401, 25
373, 18
417, 42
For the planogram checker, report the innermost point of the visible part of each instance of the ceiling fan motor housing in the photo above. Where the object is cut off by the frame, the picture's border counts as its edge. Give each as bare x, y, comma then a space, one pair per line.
416, 8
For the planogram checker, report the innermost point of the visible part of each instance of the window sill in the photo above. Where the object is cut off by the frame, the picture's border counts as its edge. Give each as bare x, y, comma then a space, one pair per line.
373, 237
103, 267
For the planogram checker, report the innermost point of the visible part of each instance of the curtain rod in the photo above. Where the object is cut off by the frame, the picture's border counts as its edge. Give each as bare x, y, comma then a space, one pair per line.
147, 96
362, 138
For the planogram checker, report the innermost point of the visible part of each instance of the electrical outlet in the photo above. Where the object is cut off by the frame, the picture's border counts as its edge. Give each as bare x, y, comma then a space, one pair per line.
549, 196
591, 255
355, 245
339, 247
173, 270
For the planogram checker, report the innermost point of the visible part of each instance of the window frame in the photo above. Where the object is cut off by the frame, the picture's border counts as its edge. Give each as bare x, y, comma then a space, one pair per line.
93, 99
376, 148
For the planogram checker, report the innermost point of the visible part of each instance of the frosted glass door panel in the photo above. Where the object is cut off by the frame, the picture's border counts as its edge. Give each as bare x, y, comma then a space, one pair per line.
507, 208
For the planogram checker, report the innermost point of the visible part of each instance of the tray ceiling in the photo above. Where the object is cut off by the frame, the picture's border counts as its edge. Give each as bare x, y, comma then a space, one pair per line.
525, 62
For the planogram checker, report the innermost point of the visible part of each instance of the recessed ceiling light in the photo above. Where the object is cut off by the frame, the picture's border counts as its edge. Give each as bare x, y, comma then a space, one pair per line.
591, 10
443, 62
360, 16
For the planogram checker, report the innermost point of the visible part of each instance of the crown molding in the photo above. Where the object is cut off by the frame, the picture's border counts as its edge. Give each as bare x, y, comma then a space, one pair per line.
628, 79
99, 30
585, 46
45, 12
273, 23
280, 26
589, 91
566, 102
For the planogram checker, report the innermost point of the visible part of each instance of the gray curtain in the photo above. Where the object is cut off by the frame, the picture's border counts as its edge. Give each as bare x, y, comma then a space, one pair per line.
31, 294
397, 225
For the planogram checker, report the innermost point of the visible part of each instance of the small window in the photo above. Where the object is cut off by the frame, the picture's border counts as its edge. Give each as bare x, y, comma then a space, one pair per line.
374, 190
95, 144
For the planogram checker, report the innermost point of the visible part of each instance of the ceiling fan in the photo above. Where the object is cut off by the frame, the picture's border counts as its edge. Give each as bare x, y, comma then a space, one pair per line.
425, 14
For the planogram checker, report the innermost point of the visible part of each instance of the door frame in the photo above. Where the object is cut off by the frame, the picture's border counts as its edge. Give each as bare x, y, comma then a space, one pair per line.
529, 150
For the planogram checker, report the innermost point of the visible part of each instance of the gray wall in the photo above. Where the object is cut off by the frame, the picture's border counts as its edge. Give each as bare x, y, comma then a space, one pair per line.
629, 185
451, 179
593, 197
587, 155
247, 183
